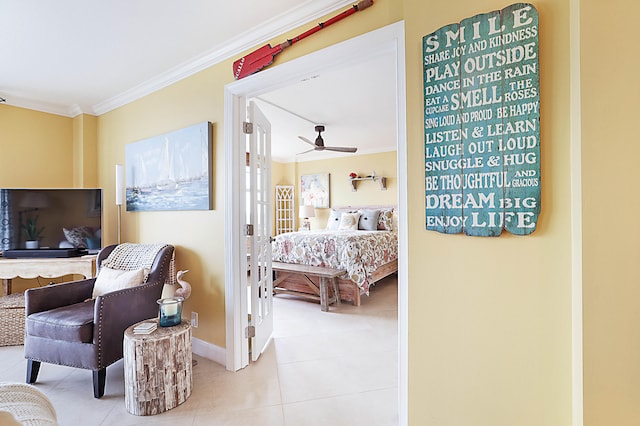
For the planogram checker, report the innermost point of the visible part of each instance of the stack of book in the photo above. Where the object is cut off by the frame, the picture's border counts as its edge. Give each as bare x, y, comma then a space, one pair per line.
145, 328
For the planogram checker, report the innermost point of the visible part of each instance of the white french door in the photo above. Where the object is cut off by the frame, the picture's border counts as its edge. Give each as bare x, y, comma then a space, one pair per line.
259, 231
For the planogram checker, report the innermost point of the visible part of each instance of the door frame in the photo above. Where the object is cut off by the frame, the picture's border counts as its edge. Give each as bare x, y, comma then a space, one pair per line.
391, 37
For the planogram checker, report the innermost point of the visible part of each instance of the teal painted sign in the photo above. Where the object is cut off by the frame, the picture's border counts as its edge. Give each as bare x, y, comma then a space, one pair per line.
482, 124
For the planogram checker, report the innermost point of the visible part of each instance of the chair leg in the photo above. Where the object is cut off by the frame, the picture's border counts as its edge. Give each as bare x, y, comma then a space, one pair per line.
33, 367
99, 379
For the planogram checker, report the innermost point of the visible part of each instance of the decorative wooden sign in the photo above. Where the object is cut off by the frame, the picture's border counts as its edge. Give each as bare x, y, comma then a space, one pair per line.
482, 124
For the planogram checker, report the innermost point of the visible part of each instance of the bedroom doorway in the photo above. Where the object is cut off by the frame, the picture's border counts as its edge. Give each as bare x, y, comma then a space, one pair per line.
237, 95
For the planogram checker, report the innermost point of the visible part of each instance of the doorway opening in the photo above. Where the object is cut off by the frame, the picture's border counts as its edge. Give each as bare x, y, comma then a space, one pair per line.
236, 98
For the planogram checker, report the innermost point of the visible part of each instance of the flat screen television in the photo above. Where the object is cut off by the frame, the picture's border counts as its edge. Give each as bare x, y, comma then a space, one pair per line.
66, 218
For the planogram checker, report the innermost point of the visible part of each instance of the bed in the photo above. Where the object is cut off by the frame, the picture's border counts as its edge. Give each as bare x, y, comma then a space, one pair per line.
366, 253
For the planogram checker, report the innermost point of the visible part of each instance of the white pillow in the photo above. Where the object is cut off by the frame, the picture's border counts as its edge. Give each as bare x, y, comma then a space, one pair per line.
334, 220
368, 220
349, 221
109, 280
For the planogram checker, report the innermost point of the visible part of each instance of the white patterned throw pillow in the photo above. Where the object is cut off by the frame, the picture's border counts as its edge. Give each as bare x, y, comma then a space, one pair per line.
349, 221
109, 280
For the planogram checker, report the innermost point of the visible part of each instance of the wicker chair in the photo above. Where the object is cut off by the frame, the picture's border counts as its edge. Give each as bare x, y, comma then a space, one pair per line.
12, 319
22, 404
65, 326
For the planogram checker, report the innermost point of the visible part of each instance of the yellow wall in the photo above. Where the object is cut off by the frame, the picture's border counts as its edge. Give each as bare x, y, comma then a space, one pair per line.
368, 192
198, 236
610, 151
40, 150
85, 159
36, 149
490, 318
283, 173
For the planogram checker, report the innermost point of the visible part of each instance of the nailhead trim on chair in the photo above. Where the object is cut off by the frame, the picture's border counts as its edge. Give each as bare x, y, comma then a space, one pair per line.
102, 299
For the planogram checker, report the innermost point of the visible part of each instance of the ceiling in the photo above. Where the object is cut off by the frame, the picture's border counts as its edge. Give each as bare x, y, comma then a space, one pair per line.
356, 104
75, 56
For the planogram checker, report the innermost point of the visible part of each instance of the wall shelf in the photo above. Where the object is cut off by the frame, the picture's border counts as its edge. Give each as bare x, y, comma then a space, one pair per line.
381, 180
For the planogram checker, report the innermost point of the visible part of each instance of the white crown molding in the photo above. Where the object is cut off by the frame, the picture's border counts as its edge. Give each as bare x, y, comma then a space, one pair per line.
47, 107
76, 109
267, 31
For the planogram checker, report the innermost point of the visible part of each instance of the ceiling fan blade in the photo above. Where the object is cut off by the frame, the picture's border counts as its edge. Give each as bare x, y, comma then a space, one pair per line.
302, 138
320, 146
340, 149
304, 152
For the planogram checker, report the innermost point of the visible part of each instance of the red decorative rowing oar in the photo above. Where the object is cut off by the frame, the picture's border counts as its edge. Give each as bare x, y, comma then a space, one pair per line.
258, 59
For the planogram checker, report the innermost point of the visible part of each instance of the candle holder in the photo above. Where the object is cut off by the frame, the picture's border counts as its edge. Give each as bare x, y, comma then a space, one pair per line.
170, 311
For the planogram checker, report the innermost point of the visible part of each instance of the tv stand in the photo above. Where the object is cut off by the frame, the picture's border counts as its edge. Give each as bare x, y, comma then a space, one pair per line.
44, 267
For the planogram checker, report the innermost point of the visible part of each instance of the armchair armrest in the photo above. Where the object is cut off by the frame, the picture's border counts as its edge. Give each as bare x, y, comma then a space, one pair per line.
57, 295
115, 311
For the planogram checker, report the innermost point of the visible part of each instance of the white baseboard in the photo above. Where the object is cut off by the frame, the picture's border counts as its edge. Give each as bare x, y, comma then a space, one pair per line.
209, 351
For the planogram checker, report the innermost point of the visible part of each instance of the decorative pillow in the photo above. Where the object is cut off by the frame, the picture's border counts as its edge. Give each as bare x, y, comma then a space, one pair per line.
109, 280
349, 222
368, 220
334, 220
396, 227
385, 220
78, 236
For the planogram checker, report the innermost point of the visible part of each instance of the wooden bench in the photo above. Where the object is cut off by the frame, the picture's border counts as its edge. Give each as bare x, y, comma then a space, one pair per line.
322, 293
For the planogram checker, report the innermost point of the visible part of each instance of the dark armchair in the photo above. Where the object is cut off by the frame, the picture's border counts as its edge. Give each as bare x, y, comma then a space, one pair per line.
65, 327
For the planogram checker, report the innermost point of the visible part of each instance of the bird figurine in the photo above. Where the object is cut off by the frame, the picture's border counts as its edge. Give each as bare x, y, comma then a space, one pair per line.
185, 287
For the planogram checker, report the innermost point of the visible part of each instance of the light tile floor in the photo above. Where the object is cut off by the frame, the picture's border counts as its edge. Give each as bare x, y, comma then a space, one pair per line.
322, 368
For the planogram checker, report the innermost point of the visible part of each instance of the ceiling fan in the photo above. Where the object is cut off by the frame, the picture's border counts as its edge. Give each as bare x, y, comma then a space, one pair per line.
319, 143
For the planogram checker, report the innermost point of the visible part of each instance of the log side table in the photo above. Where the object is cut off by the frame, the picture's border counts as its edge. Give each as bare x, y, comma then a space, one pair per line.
157, 369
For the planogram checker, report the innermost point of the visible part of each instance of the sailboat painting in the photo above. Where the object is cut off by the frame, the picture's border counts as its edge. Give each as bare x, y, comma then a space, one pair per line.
171, 171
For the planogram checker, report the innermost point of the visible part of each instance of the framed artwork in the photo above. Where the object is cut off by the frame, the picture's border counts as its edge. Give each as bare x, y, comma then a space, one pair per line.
314, 190
170, 171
